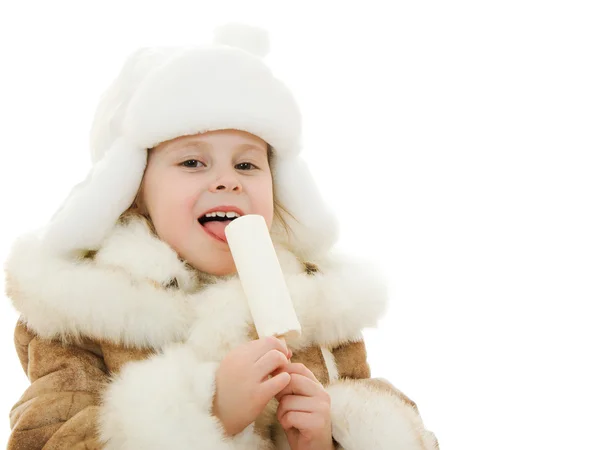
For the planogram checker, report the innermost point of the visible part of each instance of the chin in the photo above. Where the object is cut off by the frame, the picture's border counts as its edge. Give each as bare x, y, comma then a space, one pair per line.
217, 267
224, 272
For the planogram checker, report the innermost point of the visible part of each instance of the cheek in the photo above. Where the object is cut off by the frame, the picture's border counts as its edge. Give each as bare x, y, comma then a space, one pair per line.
167, 195
263, 200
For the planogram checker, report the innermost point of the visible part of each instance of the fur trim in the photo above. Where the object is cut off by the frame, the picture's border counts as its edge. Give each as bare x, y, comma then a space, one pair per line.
121, 296
332, 306
82, 220
156, 262
66, 298
364, 416
172, 391
314, 228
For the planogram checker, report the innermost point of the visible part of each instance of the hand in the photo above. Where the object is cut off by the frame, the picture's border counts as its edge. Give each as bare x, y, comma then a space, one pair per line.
305, 410
244, 384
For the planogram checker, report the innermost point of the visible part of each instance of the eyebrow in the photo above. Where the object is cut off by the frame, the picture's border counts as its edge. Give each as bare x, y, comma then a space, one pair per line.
251, 147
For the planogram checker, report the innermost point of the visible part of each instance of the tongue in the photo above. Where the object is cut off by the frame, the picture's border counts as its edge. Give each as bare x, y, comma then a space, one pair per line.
217, 229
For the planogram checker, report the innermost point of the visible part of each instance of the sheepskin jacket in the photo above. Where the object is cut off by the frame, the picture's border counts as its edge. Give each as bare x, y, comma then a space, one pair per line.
121, 346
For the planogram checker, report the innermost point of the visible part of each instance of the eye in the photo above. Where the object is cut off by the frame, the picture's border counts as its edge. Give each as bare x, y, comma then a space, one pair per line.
245, 166
191, 164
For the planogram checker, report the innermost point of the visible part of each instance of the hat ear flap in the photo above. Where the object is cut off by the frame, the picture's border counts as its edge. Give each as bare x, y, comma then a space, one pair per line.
313, 227
94, 206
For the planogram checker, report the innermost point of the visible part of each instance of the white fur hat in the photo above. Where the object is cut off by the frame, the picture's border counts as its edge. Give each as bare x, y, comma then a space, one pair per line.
163, 93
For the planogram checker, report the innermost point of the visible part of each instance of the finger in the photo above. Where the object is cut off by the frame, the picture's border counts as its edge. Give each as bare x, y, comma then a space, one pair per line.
271, 387
292, 434
289, 350
303, 421
270, 362
299, 403
300, 369
301, 385
261, 346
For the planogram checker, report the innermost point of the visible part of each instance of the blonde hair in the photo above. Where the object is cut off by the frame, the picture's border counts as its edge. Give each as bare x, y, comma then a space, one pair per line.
137, 208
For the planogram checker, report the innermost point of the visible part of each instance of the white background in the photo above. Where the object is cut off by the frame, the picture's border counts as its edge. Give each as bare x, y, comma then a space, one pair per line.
458, 143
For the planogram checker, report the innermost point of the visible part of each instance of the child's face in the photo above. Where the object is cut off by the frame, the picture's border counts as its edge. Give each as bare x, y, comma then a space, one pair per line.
190, 175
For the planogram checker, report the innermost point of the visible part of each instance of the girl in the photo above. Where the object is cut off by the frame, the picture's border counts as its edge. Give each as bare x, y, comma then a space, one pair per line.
134, 329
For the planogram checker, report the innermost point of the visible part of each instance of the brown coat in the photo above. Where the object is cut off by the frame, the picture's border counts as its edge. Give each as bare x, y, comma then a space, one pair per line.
92, 380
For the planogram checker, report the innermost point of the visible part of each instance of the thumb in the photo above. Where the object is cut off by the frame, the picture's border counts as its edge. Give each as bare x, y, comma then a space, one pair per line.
275, 385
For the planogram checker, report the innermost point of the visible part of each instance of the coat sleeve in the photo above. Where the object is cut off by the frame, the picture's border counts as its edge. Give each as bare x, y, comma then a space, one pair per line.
163, 401
59, 409
370, 412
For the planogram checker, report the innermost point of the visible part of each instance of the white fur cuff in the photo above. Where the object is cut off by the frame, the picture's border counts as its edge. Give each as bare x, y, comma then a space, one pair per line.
364, 416
165, 402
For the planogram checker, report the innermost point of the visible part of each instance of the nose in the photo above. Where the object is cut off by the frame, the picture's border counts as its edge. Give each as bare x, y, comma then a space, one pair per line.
226, 182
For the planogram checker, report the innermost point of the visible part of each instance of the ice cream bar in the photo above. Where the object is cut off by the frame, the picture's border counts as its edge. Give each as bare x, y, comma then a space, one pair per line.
261, 277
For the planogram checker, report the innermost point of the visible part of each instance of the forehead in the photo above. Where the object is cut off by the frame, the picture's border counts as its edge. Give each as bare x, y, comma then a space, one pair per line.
234, 139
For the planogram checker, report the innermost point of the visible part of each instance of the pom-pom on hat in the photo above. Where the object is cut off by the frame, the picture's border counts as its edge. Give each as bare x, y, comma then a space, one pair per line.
164, 93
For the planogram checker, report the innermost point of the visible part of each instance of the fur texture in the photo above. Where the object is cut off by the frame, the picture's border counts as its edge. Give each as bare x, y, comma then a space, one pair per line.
122, 295
186, 95
83, 219
366, 416
173, 391
66, 299
59, 410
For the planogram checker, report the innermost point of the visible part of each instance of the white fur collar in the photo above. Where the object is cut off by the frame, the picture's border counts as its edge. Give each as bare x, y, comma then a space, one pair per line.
126, 295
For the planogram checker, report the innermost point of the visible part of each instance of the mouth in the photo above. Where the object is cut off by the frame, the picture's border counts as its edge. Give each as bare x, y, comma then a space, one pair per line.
215, 220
